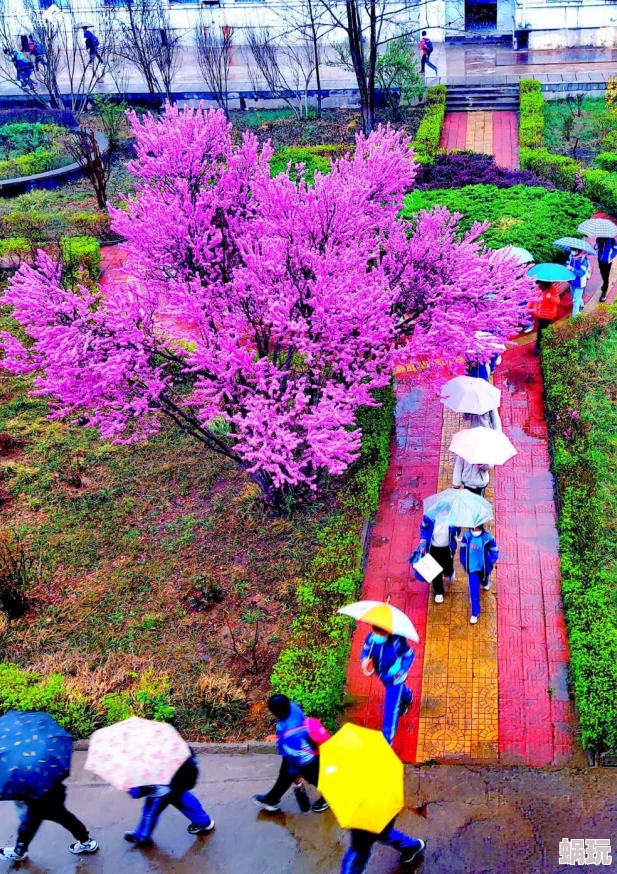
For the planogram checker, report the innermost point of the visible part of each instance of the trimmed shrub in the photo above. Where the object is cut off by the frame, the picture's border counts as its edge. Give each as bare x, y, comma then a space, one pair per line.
531, 125
458, 169
80, 253
609, 143
313, 157
559, 170
580, 370
607, 161
519, 216
601, 186
428, 136
312, 668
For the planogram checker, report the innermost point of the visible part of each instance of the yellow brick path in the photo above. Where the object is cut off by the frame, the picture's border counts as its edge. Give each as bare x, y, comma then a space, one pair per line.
479, 136
459, 709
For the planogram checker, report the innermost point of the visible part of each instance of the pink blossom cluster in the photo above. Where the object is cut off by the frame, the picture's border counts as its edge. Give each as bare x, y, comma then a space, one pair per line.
271, 306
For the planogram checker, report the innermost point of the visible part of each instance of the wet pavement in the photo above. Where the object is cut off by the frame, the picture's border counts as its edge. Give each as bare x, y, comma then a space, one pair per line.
475, 821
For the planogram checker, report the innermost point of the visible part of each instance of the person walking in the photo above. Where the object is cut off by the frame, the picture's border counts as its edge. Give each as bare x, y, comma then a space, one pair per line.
357, 856
178, 794
92, 45
478, 555
490, 419
473, 477
51, 806
426, 50
37, 51
439, 540
300, 758
545, 310
390, 657
606, 247
578, 263
23, 68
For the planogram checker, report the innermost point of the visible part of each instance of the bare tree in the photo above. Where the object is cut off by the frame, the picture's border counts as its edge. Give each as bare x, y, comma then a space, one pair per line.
307, 26
84, 148
147, 41
369, 25
214, 53
286, 70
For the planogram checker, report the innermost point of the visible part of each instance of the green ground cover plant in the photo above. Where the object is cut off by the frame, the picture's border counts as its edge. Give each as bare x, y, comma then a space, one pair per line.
519, 216
580, 372
26, 149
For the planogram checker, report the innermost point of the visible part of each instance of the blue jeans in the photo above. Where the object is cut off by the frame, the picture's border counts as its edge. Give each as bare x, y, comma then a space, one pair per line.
577, 300
356, 858
396, 696
186, 803
476, 578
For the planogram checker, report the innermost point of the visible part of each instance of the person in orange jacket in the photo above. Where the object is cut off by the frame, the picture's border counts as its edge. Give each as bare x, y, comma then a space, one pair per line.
545, 309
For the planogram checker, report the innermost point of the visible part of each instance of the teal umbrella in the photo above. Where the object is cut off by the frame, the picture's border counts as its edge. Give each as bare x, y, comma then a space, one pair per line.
551, 273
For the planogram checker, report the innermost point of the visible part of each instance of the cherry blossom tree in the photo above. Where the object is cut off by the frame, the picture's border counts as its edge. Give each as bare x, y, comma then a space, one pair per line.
263, 312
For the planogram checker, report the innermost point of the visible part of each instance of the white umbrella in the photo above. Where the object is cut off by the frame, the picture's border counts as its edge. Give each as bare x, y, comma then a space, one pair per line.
458, 508
468, 394
482, 446
384, 616
523, 256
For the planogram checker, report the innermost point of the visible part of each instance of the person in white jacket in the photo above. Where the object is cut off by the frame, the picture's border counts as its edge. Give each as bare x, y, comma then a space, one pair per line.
473, 477
491, 419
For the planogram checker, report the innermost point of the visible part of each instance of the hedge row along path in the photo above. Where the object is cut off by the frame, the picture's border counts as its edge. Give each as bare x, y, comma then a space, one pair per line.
496, 692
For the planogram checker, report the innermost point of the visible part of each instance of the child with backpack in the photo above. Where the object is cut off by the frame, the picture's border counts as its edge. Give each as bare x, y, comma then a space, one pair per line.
298, 740
390, 657
426, 50
478, 555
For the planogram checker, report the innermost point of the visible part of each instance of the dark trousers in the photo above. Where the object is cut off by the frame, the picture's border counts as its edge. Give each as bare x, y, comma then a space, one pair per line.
605, 272
50, 807
285, 780
443, 557
542, 326
362, 842
477, 490
424, 61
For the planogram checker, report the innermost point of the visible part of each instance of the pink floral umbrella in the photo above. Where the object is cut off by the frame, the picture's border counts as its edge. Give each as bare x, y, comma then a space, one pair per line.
136, 752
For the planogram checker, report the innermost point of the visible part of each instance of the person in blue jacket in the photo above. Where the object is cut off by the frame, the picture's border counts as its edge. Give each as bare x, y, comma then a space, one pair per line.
478, 555
178, 794
390, 657
578, 262
298, 752
439, 540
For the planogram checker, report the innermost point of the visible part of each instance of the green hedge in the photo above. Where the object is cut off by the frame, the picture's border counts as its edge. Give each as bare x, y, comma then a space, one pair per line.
428, 135
607, 161
519, 216
314, 157
580, 372
80, 253
531, 124
312, 668
561, 171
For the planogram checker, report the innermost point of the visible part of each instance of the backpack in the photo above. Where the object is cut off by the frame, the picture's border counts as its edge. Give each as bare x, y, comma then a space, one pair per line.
317, 732
428, 45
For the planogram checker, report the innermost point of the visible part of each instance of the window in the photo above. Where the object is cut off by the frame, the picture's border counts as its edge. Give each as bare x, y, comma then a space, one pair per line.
61, 4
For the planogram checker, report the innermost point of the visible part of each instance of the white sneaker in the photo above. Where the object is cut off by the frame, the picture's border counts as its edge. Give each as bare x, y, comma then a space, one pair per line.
9, 855
439, 599
473, 619
486, 586
89, 846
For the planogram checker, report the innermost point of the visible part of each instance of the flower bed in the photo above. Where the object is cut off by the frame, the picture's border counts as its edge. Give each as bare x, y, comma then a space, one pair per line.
27, 149
519, 216
580, 373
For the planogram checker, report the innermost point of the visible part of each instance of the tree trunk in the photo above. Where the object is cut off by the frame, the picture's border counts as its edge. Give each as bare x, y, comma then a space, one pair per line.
356, 50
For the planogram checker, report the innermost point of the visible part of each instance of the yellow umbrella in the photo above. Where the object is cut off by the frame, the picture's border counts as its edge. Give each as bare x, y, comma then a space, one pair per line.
361, 777
383, 615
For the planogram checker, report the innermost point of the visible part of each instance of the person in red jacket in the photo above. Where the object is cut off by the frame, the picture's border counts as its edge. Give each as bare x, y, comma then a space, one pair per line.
426, 50
545, 309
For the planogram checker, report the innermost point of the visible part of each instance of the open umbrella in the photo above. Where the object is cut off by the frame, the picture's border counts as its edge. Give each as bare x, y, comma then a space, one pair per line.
469, 394
523, 256
361, 777
136, 752
598, 227
569, 243
482, 446
35, 754
458, 508
551, 273
383, 615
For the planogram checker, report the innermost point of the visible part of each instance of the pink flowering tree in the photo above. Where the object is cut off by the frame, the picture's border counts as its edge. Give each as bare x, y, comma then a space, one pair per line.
261, 312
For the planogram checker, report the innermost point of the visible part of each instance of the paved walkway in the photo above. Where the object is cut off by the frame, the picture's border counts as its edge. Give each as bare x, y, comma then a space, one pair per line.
473, 820
495, 692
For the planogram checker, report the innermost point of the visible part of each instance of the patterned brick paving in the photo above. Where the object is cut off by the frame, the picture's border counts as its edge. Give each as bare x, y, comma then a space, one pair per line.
495, 692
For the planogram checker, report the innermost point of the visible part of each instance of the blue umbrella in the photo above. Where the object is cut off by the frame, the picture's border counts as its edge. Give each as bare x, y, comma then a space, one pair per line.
569, 243
35, 754
551, 273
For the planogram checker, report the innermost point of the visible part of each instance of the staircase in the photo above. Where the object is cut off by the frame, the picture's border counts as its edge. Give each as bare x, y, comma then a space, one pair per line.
486, 98
480, 38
